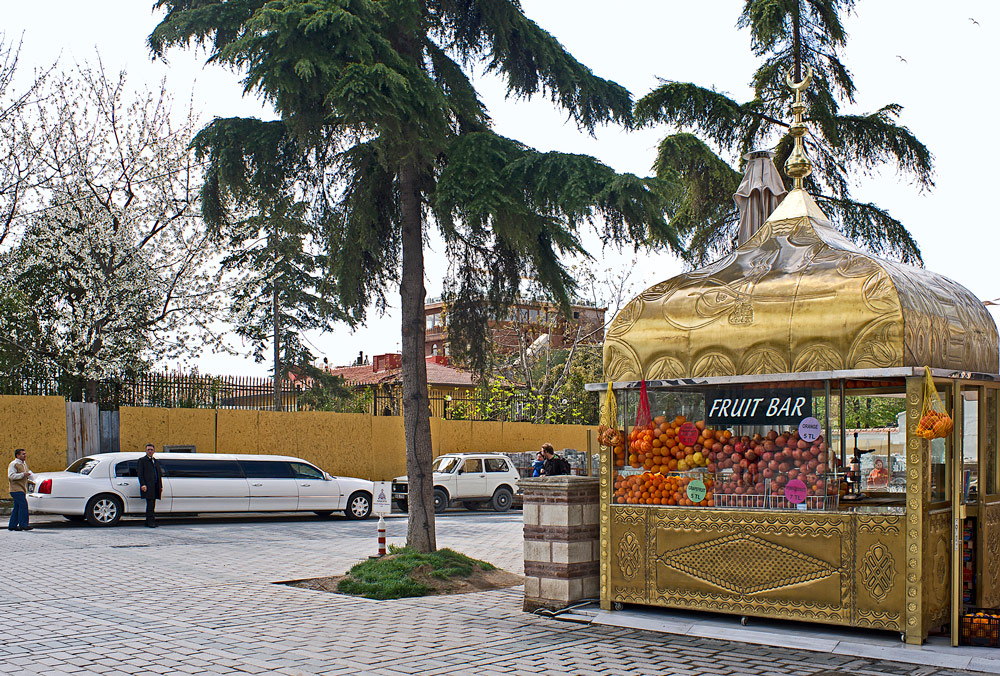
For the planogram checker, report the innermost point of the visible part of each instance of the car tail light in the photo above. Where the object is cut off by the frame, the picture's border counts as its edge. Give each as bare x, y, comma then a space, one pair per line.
45, 487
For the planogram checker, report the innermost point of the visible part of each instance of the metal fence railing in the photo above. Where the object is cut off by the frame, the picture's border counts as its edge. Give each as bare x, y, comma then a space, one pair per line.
174, 390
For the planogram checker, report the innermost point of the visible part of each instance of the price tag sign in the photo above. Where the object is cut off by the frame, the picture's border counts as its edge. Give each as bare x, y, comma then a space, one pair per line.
809, 430
382, 502
696, 490
796, 492
687, 434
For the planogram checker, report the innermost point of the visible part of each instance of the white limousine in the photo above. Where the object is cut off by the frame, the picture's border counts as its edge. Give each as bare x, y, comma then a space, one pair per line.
102, 488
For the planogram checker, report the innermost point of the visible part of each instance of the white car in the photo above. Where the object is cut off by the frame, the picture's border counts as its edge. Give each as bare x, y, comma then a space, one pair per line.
474, 479
102, 488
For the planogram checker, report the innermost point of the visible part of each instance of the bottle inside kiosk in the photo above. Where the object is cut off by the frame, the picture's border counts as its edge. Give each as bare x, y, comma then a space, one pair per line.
714, 510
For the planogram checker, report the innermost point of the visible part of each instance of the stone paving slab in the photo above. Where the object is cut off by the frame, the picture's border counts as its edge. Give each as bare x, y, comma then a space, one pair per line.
197, 596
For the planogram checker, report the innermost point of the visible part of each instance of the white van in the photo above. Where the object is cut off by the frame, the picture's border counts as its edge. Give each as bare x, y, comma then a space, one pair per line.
102, 488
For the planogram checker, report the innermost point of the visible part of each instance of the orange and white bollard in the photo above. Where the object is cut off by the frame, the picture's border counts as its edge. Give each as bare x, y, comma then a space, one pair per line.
381, 536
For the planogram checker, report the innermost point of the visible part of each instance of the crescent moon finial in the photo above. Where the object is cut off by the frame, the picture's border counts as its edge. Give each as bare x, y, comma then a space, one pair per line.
800, 86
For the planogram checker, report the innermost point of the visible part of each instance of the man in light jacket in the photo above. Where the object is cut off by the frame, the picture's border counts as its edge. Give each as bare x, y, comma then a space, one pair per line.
18, 475
150, 483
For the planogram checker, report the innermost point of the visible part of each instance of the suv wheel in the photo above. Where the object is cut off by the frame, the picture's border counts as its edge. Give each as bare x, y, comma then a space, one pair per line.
440, 501
502, 499
104, 510
359, 506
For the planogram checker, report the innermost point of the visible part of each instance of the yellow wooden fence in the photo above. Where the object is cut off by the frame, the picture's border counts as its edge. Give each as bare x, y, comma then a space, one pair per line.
347, 444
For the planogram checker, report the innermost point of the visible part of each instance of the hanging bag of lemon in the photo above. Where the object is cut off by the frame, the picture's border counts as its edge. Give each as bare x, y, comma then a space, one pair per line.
935, 423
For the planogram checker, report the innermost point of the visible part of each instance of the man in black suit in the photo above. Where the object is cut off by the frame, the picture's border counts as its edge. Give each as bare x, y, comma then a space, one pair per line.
150, 483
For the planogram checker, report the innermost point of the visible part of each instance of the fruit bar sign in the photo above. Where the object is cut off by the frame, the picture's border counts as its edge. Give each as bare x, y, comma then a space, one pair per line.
757, 407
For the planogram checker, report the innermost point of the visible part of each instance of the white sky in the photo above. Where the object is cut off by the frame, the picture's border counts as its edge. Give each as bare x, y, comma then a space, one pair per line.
944, 86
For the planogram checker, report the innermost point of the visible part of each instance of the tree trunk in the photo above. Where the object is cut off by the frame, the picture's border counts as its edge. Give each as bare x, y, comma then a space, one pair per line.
796, 42
420, 533
276, 324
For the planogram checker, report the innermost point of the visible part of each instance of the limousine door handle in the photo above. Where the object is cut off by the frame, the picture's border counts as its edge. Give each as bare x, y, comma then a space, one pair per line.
256, 484
305, 484
124, 483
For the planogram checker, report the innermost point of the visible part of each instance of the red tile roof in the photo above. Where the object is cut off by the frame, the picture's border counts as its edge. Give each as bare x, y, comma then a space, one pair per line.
437, 374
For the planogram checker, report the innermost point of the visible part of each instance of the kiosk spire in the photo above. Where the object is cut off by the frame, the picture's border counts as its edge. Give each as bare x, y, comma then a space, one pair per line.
798, 165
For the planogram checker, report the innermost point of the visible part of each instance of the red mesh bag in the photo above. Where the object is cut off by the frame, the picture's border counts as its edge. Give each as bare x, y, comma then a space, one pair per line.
641, 436
642, 415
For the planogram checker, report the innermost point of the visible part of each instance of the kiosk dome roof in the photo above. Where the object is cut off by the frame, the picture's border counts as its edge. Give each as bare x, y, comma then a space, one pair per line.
799, 297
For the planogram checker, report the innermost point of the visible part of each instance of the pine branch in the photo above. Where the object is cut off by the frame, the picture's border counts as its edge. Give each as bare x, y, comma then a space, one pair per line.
872, 227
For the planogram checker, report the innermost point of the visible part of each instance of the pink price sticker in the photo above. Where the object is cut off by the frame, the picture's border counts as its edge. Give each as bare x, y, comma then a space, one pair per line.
796, 492
809, 430
688, 434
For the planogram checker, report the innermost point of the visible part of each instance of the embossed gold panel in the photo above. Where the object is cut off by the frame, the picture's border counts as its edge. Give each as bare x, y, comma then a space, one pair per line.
799, 297
628, 555
775, 564
879, 588
989, 574
937, 569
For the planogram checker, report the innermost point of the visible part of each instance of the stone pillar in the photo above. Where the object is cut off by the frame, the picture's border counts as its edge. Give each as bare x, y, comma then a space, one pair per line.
561, 550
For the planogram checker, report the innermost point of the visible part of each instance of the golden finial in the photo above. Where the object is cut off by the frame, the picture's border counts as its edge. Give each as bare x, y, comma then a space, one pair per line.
797, 165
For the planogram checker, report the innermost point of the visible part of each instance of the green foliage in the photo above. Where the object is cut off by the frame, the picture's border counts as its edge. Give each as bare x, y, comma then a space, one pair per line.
389, 577
789, 35
566, 404
330, 392
871, 412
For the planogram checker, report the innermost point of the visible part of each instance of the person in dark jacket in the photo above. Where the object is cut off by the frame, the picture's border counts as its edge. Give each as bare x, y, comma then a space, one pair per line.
554, 465
150, 483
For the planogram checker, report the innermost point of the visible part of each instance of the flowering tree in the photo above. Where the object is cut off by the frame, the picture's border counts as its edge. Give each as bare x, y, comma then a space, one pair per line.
20, 169
111, 258
92, 291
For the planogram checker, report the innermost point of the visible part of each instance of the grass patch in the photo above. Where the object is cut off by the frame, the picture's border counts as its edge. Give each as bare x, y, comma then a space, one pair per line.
399, 573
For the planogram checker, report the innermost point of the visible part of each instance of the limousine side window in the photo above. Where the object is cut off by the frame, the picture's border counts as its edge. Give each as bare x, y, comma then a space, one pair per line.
177, 468
267, 469
129, 468
304, 471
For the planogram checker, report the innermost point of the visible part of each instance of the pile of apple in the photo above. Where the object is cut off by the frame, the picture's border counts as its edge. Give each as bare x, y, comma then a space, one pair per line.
777, 458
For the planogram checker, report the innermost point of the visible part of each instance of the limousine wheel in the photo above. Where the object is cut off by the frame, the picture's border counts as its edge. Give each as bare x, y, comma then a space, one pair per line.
359, 506
104, 510
502, 499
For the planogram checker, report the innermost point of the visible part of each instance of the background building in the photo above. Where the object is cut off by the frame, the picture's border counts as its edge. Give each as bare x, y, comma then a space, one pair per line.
528, 322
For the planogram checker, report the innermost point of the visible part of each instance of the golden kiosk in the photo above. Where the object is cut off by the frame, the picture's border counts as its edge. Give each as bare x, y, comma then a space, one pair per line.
723, 506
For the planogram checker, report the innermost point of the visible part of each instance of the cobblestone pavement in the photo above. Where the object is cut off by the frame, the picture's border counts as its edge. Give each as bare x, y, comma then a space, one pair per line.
196, 596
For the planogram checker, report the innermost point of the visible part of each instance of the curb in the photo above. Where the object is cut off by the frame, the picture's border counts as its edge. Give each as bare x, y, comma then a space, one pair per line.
810, 637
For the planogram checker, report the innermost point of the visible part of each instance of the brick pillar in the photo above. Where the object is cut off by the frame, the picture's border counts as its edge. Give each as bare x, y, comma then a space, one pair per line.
561, 549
